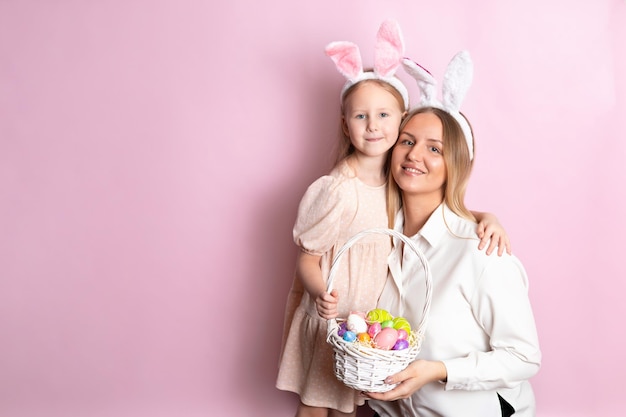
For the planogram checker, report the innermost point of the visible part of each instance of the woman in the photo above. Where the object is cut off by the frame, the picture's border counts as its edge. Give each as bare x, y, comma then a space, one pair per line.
481, 344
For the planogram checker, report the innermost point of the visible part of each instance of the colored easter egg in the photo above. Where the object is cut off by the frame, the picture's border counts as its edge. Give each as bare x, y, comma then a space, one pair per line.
363, 337
379, 315
374, 328
401, 344
349, 336
402, 334
386, 338
387, 323
356, 323
342, 329
401, 323
359, 313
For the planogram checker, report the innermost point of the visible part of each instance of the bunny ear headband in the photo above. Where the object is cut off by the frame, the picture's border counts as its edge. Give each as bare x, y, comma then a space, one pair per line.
388, 54
456, 82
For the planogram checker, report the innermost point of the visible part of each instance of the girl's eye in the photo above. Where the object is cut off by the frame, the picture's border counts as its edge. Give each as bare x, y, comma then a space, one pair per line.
384, 115
360, 116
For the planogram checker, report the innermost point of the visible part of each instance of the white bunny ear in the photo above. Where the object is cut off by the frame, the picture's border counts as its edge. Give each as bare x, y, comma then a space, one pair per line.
346, 57
389, 49
425, 81
457, 80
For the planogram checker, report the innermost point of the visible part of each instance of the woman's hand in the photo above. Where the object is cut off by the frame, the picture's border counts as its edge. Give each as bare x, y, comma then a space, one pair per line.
327, 304
411, 379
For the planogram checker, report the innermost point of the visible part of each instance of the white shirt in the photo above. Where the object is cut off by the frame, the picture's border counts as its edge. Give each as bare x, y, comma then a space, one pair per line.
480, 323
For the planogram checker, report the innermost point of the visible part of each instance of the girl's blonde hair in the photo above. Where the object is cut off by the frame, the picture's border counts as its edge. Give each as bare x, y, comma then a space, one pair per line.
458, 166
345, 147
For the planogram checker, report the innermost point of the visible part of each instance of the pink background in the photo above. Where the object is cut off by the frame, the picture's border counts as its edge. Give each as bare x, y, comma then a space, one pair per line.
153, 153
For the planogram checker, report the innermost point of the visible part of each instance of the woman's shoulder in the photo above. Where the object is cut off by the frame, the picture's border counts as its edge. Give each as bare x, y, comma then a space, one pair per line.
459, 226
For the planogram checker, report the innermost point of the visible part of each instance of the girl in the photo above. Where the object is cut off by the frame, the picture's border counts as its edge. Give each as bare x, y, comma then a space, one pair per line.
334, 208
481, 344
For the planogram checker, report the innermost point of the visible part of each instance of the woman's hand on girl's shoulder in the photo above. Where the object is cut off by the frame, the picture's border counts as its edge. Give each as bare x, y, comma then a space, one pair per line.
492, 235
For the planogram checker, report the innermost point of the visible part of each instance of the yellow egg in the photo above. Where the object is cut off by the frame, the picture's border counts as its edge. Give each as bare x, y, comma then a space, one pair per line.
379, 315
402, 323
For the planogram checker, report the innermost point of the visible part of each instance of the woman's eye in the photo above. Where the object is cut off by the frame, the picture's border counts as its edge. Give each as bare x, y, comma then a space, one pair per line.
435, 149
407, 142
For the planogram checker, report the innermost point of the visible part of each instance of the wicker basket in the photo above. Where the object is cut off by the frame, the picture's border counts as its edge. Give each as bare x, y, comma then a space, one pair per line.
365, 368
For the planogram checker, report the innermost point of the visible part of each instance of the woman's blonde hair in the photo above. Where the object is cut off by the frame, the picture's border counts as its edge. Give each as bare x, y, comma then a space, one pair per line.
345, 147
458, 166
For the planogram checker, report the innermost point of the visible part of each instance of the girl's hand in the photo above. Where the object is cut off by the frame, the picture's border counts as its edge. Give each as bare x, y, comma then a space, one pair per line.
327, 304
491, 232
411, 379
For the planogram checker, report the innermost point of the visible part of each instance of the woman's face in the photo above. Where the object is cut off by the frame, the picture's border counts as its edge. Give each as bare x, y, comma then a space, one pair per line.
417, 163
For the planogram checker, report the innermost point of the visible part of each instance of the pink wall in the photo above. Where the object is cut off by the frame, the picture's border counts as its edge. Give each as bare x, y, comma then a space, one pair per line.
153, 153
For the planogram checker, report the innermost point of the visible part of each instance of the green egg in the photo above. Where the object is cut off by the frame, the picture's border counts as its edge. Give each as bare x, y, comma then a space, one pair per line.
387, 323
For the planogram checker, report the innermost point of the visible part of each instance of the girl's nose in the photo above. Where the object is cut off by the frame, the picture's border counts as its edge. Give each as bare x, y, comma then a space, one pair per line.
372, 125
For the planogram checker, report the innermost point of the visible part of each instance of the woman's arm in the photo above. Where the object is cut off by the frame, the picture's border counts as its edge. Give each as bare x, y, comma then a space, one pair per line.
489, 230
501, 306
309, 272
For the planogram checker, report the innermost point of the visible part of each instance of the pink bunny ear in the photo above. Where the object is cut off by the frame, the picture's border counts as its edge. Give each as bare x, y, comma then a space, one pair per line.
389, 49
346, 57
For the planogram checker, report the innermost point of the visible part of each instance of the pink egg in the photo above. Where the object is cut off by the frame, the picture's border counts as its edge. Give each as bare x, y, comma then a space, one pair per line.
386, 338
359, 313
402, 334
373, 329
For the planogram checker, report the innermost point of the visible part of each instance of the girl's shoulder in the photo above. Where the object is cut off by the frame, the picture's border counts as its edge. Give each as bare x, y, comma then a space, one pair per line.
343, 171
333, 183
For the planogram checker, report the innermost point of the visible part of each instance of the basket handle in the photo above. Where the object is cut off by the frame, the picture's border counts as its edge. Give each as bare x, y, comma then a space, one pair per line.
421, 327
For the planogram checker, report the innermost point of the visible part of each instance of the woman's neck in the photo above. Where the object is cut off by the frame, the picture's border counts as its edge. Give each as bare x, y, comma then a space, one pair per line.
370, 170
417, 209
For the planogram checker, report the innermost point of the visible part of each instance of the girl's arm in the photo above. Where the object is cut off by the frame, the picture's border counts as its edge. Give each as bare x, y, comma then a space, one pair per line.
490, 231
309, 272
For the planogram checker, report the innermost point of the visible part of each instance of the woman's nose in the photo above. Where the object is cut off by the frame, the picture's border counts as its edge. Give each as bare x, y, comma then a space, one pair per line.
414, 154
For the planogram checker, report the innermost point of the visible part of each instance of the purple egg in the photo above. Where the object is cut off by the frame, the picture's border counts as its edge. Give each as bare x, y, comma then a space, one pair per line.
401, 344
342, 329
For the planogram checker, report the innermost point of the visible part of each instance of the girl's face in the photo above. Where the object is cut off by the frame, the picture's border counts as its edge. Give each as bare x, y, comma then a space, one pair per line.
417, 163
371, 119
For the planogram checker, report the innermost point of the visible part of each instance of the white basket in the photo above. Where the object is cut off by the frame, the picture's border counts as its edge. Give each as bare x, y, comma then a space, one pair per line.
365, 368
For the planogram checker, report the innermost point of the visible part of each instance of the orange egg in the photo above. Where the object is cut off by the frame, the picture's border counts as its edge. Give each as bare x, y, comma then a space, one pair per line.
363, 337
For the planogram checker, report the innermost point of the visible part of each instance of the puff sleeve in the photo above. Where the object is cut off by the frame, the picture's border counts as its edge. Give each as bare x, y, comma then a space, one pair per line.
317, 225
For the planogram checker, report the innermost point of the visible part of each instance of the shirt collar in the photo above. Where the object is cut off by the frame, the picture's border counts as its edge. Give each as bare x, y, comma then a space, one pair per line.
434, 228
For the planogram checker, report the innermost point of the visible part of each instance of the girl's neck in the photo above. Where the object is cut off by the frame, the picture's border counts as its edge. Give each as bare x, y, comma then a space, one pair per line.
369, 169
417, 209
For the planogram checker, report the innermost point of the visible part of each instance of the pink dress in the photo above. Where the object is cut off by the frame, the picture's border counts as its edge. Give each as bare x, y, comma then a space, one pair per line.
334, 208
